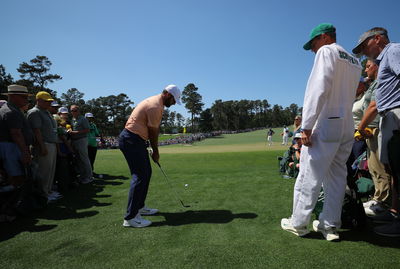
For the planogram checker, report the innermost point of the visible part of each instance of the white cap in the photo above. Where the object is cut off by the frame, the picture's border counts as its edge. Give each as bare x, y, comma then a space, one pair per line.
176, 93
63, 110
297, 135
89, 115
54, 103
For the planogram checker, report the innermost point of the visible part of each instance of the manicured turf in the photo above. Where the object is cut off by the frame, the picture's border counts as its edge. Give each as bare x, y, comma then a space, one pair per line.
237, 200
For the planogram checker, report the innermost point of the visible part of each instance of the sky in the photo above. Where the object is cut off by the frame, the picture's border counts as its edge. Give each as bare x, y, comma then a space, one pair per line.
230, 49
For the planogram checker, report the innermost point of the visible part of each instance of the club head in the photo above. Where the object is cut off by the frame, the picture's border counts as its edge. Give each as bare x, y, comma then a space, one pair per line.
184, 204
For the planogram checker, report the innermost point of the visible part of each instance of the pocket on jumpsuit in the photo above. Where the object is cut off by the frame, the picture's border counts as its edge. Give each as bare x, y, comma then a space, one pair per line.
331, 129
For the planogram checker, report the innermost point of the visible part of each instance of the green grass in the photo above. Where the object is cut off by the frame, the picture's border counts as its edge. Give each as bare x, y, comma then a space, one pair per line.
237, 200
163, 137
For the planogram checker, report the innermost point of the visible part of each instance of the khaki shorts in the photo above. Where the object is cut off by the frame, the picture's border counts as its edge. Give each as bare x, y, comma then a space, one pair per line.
389, 122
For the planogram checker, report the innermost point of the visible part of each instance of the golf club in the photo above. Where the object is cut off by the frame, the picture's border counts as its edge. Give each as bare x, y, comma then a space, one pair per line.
171, 187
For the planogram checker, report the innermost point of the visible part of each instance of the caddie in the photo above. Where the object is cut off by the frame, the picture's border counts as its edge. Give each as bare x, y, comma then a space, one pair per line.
327, 134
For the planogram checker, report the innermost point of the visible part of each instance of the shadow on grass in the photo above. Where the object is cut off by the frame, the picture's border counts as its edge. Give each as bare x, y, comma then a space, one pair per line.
201, 216
108, 177
75, 200
362, 235
10, 229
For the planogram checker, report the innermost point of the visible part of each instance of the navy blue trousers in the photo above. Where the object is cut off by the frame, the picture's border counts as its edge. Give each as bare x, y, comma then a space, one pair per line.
135, 151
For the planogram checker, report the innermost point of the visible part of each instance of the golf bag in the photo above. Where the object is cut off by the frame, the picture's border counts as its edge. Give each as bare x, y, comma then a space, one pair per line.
353, 214
283, 162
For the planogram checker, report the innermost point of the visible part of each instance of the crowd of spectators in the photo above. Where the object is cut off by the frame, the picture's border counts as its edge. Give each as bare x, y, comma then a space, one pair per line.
108, 142
44, 151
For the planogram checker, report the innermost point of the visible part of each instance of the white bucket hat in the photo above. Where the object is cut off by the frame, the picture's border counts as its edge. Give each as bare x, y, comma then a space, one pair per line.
89, 115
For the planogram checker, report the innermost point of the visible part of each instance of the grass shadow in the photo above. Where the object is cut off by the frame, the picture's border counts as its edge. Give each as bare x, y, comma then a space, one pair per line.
367, 235
364, 234
201, 216
111, 177
10, 229
69, 207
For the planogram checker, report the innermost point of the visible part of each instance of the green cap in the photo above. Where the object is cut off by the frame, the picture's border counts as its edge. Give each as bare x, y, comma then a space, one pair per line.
319, 30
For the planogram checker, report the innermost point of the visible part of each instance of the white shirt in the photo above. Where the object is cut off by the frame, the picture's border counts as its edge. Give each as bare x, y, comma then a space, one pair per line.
331, 88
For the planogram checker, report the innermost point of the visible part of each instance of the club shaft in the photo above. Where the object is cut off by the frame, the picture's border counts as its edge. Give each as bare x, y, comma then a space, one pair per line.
170, 185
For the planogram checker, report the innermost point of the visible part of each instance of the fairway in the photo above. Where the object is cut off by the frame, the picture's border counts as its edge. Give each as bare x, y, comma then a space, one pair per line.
237, 199
242, 142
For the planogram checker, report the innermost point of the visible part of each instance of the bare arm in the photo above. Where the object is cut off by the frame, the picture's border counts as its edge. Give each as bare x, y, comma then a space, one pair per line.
19, 139
153, 137
39, 142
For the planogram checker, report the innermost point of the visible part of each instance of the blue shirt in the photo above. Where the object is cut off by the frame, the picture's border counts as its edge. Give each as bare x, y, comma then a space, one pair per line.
388, 92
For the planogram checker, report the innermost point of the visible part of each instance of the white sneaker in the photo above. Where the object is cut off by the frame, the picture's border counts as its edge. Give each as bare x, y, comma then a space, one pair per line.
286, 224
145, 211
137, 222
374, 209
330, 233
369, 203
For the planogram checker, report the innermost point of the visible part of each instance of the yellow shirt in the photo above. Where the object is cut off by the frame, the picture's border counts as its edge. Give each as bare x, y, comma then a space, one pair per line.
147, 113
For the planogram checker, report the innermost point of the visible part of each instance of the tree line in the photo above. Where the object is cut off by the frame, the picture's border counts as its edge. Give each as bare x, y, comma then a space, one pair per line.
111, 112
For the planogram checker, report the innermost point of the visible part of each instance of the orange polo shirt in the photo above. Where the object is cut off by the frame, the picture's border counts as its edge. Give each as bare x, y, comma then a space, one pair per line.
147, 113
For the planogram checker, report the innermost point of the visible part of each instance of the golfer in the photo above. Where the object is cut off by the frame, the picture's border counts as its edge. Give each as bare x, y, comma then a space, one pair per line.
142, 125
327, 134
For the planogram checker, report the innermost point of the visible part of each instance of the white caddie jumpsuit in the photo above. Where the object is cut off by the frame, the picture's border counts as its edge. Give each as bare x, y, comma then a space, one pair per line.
327, 111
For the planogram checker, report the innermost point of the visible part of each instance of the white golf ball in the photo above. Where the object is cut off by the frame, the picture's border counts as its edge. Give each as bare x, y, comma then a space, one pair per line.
186, 185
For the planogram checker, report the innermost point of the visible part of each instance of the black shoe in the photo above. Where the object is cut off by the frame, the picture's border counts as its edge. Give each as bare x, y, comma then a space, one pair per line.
386, 217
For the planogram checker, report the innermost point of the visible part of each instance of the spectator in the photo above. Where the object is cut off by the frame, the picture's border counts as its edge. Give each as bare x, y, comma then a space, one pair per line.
376, 168
79, 131
53, 109
45, 150
285, 135
375, 44
359, 146
294, 162
92, 140
15, 134
327, 135
297, 125
65, 172
270, 133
